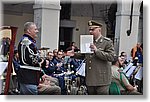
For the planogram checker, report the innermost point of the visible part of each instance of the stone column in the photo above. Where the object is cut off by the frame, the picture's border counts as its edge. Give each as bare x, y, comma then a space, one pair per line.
122, 41
1, 13
46, 16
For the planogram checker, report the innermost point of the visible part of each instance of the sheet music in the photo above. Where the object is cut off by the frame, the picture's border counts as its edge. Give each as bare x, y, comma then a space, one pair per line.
3, 66
85, 41
131, 70
127, 67
81, 71
139, 74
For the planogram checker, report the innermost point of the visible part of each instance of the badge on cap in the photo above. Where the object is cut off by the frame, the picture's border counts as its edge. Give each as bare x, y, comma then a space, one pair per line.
94, 23
90, 23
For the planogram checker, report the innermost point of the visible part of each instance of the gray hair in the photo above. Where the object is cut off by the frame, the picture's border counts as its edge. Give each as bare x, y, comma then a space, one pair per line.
27, 25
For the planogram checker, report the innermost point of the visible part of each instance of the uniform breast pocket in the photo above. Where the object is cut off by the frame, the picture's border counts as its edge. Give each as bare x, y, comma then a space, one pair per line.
104, 75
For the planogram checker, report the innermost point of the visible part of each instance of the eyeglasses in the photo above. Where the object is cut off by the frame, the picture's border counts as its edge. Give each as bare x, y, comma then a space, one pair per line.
50, 55
123, 55
92, 29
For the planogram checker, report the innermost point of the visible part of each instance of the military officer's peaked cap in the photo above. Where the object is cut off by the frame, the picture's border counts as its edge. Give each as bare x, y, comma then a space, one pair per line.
94, 23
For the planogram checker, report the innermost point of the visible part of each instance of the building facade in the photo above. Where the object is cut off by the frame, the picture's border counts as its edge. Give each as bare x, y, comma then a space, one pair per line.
62, 22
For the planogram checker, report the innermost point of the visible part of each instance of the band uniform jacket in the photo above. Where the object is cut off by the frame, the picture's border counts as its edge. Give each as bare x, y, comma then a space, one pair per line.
28, 56
98, 64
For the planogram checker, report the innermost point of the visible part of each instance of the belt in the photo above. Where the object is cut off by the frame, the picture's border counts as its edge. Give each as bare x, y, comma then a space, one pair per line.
31, 67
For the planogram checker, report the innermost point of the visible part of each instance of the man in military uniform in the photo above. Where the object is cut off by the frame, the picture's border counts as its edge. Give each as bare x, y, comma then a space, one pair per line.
28, 74
98, 66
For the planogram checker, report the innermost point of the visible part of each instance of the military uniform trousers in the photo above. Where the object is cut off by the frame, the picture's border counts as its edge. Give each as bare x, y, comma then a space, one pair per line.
98, 90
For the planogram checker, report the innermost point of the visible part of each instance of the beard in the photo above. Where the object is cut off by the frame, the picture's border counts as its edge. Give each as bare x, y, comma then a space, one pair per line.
120, 65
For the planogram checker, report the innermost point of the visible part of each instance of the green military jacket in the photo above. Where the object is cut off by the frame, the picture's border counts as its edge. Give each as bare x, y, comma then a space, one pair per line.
98, 66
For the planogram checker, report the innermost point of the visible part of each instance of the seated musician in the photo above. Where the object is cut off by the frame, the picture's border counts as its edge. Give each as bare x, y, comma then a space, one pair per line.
125, 87
53, 70
58, 61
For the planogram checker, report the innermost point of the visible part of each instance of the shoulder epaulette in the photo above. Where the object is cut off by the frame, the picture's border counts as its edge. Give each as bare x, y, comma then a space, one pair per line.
26, 41
108, 39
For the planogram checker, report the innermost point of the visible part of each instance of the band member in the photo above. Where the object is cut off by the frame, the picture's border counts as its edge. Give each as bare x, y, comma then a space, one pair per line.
124, 85
28, 74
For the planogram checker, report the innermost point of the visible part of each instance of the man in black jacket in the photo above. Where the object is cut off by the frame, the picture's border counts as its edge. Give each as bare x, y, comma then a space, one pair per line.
28, 74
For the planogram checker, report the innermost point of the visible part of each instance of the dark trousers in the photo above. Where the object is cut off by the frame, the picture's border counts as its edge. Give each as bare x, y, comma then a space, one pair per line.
62, 84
